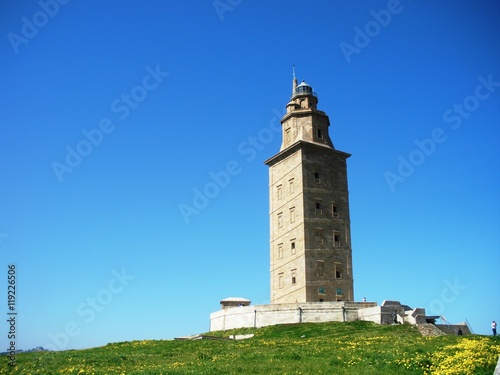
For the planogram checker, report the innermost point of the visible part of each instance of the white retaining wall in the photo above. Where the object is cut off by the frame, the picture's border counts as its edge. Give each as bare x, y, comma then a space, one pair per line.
266, 315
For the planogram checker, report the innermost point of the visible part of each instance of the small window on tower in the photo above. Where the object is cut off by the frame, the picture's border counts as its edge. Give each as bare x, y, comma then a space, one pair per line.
321, 268
292, 246
280, 280
338, 271
279, 191
319, 211
336, 239
316, 177
321, 290
291, 185
280, 250
294, 277
320, 134
334, 210
319, 235
288, 136
292, 215
280, 219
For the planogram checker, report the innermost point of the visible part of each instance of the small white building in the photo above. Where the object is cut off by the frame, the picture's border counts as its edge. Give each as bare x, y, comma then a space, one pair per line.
229, 302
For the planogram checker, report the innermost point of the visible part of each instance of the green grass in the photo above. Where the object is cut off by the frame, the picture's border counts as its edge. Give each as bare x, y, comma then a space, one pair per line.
308, 348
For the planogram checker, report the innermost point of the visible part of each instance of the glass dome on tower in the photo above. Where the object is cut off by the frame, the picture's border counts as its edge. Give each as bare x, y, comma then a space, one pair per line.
304, 89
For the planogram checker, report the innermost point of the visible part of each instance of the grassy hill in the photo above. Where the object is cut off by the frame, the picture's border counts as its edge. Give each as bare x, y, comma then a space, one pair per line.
308, 348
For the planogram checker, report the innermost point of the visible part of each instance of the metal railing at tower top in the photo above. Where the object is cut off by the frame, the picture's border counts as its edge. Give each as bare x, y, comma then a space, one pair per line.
312, 93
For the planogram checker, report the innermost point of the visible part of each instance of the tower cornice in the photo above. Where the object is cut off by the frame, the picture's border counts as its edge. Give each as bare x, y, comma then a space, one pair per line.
303, 145
303, 112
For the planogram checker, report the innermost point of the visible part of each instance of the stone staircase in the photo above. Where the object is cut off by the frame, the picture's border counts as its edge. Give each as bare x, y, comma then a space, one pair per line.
429, 329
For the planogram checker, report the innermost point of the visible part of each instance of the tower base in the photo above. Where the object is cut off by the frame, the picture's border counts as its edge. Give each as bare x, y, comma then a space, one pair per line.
390, 312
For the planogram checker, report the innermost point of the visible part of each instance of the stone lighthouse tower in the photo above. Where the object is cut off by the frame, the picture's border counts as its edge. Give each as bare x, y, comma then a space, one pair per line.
311, 256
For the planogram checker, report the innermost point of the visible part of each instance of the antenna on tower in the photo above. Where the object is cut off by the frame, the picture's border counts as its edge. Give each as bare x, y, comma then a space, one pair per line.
294, 81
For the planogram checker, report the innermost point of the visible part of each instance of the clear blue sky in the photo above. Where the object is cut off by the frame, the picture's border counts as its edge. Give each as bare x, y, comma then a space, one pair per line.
113, 115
